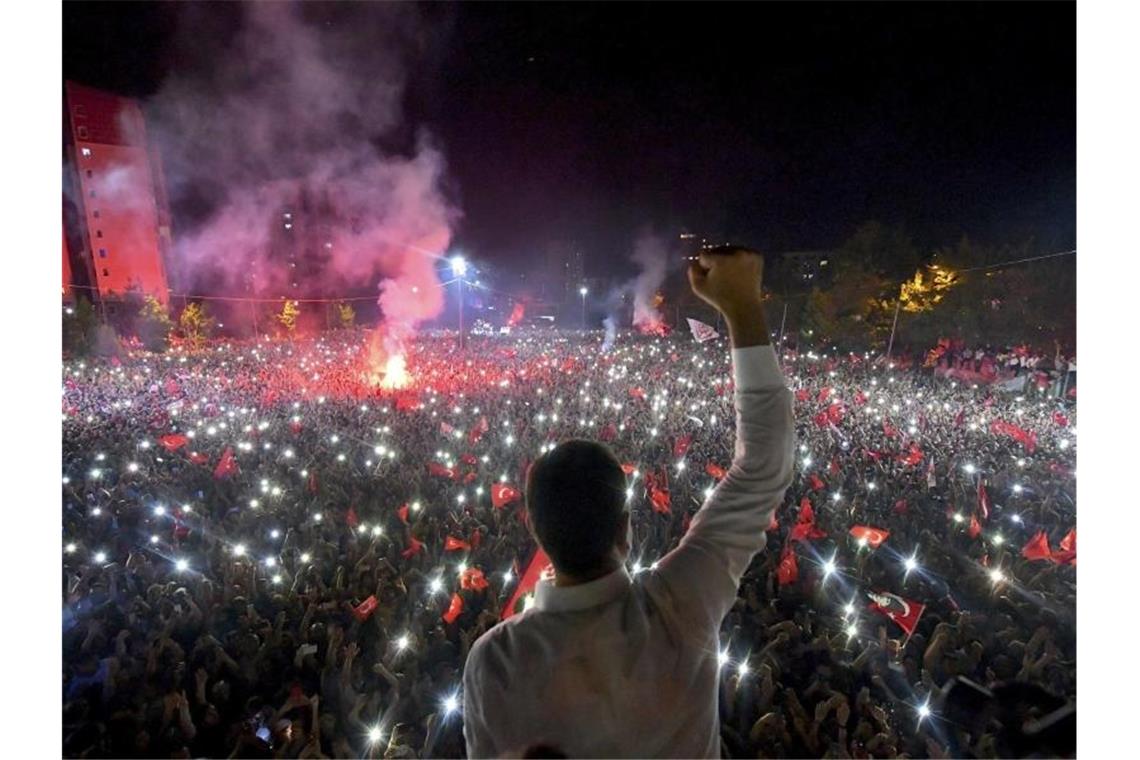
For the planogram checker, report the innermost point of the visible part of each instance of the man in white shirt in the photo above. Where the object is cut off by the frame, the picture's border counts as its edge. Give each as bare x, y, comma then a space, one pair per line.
605, 665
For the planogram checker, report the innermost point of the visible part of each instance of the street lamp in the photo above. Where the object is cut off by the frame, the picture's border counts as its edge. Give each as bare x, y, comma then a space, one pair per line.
459, 268
582, 291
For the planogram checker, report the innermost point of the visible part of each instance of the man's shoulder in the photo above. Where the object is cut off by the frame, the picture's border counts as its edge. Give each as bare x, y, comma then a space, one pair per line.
503, 636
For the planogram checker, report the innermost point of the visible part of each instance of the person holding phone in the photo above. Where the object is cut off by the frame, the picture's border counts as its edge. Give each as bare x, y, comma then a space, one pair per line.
612, 666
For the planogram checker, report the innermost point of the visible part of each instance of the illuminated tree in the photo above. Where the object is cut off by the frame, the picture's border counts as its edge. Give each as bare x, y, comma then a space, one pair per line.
347, 315
288, 316
195, 324
154, 324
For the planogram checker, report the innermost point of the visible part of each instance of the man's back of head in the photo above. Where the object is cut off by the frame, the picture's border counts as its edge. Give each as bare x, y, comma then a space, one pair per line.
575, 496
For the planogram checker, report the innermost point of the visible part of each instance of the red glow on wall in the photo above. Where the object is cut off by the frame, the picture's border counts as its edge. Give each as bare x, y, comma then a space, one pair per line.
117, 193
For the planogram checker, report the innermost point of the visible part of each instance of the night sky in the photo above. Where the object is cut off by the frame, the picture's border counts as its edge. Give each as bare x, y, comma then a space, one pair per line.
778, 125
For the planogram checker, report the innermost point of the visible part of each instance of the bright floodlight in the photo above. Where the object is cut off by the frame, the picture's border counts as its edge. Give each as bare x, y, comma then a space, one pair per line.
159, 511
450, 704
1017, 489
583, 290
458, 266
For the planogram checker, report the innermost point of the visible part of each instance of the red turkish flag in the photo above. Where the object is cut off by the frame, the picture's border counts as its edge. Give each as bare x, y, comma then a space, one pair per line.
802, 395
470, 477
227, 465
682, 445
860, 398
912, 457
816, 483
628, 468
454, 610
901, 507
804, 529
659, 498
975, 527
823, 394
835, 413
435, 468
539, 564
198, 458
406, 402
473, 579
1022, 436
787, 571
903, 611
715, 470
414, 548
637, 392
1060, 419
889, 430
502, 495
403, 514
1067, 549
874, 537
1038, 547
173, 442
364, 610
295, 427
468, 459
453, 544
833, 468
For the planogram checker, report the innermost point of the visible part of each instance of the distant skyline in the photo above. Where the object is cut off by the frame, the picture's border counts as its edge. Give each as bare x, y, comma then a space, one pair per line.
782, 126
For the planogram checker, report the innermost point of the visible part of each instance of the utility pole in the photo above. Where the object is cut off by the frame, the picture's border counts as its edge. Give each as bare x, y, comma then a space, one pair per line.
894, 324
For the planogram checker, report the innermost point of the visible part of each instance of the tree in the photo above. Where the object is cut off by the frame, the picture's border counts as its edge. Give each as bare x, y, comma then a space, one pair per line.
195, 323
79, 328
347, 315
288, 316
154, 325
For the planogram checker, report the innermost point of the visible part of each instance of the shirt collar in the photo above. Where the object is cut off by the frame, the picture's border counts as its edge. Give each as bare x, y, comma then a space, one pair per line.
551, 598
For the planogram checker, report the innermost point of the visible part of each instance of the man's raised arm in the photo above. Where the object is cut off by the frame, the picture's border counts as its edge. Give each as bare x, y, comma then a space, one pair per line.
704, 572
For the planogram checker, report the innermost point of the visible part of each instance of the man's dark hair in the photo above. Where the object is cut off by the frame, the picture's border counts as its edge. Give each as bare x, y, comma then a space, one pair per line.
575, 496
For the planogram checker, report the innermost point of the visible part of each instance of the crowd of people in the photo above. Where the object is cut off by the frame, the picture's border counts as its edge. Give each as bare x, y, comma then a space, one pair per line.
266, 555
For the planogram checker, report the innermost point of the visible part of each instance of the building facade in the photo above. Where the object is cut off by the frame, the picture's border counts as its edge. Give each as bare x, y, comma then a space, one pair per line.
116, 224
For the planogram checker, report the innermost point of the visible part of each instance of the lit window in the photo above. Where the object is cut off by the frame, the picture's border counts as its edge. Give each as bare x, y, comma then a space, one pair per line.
106, 273
102, 253
85, 151
98, 233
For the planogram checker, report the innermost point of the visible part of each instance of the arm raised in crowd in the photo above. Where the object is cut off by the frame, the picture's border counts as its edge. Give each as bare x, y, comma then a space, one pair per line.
704, 572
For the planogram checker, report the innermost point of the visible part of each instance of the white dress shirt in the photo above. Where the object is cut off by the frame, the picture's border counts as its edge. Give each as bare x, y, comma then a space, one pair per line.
627, 667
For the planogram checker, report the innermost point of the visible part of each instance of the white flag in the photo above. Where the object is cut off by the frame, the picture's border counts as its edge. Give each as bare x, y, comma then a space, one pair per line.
701, 331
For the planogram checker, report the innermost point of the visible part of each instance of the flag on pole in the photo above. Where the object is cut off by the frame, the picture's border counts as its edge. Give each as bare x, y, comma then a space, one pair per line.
453, 544
701, 331
539, 564
682, 445
364, 610
402, 512
873, 537
903, 611
715, 470
975, 527
173, 442
435, 468
227, 465
787, 571
473, 579
454, 610
1038, 547
502, 495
